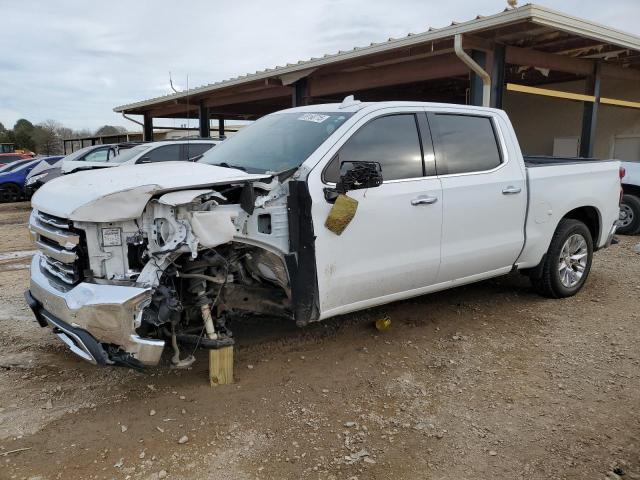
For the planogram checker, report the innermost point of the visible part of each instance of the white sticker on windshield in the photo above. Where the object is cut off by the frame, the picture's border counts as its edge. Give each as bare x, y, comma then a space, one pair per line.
313, 117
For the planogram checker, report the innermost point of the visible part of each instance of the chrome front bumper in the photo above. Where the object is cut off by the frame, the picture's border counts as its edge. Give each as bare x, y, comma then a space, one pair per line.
106, 314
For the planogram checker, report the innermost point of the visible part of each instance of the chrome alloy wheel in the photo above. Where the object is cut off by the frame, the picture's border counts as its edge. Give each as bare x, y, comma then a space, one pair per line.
626, 215
573, 260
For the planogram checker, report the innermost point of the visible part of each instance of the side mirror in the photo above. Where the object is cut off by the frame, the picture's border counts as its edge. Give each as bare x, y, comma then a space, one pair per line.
359, 175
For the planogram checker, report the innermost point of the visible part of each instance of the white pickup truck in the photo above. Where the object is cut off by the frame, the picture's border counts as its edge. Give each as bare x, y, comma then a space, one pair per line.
630, 205
309, 213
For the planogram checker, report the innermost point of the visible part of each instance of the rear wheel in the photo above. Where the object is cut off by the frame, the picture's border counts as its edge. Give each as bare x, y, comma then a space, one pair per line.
629, 222
567, 263
10, 193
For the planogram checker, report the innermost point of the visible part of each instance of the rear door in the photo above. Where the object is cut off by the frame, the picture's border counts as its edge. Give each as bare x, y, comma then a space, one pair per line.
484, 195
392, 246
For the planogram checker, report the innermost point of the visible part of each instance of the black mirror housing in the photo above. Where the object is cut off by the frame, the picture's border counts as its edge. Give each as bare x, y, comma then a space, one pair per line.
359, 175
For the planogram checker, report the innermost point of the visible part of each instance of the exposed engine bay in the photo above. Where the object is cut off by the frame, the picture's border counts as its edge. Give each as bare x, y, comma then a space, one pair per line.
203, 255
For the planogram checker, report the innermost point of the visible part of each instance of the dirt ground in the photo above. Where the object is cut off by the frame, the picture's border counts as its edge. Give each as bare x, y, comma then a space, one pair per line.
488, 381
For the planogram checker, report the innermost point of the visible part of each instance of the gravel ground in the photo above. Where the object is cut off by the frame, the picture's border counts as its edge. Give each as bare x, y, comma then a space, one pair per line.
481, 382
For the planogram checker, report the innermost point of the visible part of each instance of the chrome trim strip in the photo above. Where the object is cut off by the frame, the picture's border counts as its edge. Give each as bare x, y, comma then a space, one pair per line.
51, 220
57, 273
64, 256
61, 237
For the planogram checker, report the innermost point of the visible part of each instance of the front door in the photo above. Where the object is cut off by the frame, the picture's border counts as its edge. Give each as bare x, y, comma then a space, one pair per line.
392, 245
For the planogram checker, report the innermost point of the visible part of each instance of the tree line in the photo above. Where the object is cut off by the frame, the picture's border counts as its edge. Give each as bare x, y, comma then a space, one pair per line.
45, 138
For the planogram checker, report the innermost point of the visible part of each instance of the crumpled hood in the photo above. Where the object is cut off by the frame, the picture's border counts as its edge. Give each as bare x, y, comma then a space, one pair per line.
121, 193
39, 168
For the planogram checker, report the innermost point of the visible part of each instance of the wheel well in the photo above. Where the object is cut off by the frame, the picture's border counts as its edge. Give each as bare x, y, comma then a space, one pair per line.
590, 217
631, 189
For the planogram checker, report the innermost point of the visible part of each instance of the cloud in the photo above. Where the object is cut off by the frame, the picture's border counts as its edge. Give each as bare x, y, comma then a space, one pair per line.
74, 60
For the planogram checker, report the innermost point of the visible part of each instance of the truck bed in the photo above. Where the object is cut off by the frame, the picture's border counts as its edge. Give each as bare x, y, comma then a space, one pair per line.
557, 185
544, 160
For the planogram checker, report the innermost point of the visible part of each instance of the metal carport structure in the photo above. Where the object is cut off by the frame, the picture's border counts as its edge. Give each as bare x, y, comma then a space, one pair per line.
518, 50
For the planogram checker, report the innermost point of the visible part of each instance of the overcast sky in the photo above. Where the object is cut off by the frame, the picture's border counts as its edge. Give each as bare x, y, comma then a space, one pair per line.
74, 60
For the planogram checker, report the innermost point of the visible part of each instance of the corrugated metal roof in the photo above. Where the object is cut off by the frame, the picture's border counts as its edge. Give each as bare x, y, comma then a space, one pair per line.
534, 13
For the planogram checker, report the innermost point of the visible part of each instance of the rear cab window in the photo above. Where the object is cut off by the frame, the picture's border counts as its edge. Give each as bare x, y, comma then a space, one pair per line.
464, 143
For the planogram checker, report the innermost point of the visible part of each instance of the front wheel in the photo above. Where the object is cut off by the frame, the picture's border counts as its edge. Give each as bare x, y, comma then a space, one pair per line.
629, 222
568, 261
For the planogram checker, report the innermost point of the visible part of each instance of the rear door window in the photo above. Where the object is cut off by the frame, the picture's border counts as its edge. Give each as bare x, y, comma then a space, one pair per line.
464, 143
392, 141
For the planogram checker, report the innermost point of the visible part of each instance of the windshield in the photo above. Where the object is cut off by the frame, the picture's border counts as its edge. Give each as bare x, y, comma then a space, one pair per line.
129, 153
276, 143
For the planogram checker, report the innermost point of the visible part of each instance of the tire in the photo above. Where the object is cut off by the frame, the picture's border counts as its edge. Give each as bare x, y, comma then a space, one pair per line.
629, 222
10, 193
563, 273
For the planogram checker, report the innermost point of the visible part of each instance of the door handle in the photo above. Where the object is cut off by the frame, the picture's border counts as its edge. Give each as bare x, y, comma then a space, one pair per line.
423, 200
510, 190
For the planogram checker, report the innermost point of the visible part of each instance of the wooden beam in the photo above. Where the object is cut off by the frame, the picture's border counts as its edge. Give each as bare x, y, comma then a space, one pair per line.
614, 71
415, 52
221, 366
162, 111
545, 92
409, 72
563, 63
619, 103
246, 97
471, 42
272, 82
535, 58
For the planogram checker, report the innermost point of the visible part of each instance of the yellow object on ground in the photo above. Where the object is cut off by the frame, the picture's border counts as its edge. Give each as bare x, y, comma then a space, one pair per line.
221, 366
341, 214
383, 323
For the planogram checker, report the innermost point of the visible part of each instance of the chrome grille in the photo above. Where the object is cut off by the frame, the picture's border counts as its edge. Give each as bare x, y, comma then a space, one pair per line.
61, 246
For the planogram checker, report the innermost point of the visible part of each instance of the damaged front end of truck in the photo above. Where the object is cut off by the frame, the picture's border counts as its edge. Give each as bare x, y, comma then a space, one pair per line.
140, 268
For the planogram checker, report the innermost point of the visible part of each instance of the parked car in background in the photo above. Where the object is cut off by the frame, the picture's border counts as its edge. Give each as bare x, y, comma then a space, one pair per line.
89, 157
13, 176
83, 159
7, 158
306, 214
629, 223
44, 165
152, 152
